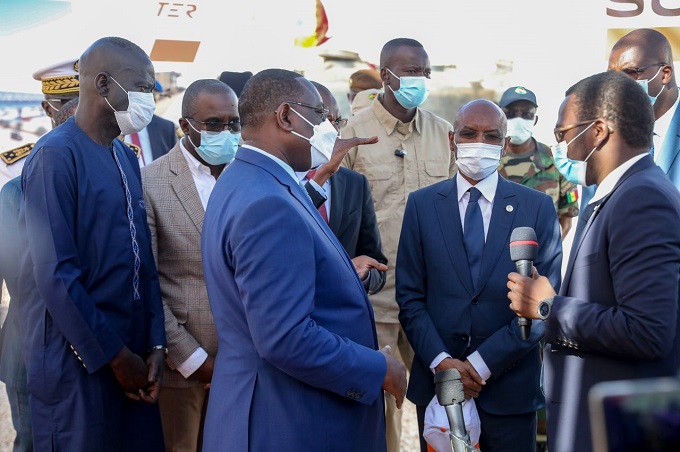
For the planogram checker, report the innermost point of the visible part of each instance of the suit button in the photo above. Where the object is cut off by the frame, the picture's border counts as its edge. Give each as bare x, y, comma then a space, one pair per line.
464, 337
475, 301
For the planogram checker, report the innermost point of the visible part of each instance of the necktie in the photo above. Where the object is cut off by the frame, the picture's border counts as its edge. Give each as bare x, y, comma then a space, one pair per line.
322, 207
134, 138
473, 235
133, 229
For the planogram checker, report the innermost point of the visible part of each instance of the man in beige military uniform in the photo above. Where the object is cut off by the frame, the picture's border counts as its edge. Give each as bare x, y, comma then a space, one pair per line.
412, 152
59, 85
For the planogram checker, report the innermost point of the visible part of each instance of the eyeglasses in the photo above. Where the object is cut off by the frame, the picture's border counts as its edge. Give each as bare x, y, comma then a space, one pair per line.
560, 131
469, 136
517, 113
322, 112
636, 72
234, 125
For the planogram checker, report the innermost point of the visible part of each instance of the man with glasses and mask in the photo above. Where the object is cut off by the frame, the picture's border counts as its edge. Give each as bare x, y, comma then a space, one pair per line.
344, 200
59, 85
177, 187
645, 56
412, 152
529, 162
617, 315
452, 268
95, 341
298, 366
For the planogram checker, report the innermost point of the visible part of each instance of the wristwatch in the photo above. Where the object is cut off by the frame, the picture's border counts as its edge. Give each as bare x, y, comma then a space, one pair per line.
544, 308
159, 347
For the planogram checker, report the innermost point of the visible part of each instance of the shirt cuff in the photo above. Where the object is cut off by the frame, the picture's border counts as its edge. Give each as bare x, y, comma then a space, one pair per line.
191, 365
479, 365
319, 189
438, 359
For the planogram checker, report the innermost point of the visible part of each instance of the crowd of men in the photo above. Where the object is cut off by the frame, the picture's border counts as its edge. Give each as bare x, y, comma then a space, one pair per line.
281, 278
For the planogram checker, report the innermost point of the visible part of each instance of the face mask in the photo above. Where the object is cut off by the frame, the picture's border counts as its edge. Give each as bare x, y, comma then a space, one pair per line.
322, 141
216, 148
412, 91
573, 170
520, 130
478, 160
141, 107
645, 86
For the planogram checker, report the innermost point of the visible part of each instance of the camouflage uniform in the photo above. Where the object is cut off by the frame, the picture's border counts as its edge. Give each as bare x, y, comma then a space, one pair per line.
536, 169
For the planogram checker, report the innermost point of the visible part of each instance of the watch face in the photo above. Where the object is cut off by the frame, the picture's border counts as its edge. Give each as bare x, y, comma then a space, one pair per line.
544, 309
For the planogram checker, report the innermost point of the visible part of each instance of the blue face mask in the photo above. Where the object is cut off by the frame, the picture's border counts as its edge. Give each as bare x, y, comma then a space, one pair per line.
412, 91
645, 86
573, 170
216, 148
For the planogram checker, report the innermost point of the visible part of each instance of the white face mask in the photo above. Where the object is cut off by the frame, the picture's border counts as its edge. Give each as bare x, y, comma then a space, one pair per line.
322, 141
478, 160
520, 130
645, 86
141, 107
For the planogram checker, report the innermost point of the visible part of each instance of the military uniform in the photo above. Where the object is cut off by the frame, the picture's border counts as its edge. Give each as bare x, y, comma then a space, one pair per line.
536, 169
12, 161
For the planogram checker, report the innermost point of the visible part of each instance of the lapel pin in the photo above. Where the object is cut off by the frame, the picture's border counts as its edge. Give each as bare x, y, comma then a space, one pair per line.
509, 208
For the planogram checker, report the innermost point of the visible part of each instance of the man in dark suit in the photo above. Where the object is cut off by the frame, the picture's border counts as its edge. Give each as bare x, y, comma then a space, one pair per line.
345, 202
452, 265
297, 366
155, 140
616, 316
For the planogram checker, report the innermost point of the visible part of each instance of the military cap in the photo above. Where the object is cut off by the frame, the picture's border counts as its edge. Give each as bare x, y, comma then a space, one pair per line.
516, 93
235, 80
365, 79
59, 79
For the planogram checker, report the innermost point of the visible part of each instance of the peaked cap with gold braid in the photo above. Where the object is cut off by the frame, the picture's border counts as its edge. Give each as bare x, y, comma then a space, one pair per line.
59, 80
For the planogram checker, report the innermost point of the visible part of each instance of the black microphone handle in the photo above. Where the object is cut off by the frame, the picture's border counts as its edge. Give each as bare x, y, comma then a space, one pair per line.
524, 268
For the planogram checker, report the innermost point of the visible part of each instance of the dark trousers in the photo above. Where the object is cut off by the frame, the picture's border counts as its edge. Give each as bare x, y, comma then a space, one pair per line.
21, 418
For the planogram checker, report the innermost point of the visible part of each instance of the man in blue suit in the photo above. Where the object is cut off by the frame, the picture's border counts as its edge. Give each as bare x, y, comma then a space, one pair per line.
616, 316
297, 366
645, 56
451, 272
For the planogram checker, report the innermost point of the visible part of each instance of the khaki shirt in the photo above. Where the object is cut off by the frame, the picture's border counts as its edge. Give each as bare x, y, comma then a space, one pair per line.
428, 159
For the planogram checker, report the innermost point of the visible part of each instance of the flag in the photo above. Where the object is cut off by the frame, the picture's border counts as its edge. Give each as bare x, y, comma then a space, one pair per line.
319, 36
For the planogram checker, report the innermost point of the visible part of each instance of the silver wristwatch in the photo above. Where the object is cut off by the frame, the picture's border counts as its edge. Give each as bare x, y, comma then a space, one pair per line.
544, 308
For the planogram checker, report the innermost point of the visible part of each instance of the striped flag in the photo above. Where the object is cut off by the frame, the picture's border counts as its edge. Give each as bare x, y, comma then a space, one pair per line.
319, 36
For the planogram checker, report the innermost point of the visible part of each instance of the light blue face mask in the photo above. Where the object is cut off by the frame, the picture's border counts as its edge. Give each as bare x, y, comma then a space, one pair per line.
573, 170
645, 86
412, 91
216, 148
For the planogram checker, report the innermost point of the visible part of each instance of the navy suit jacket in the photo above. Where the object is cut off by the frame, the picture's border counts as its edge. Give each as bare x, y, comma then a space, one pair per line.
353, 220
617, 316
297, 366
441, 312
162, 135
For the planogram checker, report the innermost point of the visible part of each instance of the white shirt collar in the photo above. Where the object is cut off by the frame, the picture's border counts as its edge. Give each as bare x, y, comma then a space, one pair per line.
195, 166
287, 168
662, 124
610, 181
486, 186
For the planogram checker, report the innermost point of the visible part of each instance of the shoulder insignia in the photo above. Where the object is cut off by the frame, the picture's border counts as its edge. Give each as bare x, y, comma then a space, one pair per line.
16, 154
136, 149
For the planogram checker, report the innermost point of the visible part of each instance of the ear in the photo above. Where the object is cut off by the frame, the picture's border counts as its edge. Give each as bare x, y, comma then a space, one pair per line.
602, 131
49, 111
184, 126
385, 75
452, 144
101, 83
535, 119
666, 74
283, 116
506, 145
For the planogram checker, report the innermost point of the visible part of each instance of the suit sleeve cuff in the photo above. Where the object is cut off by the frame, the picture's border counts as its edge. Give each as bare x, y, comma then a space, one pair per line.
480, 366
191, 365
438, 359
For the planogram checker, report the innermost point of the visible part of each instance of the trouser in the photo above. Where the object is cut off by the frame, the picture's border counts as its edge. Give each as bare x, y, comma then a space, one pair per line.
393, 335
21, 418
182, 416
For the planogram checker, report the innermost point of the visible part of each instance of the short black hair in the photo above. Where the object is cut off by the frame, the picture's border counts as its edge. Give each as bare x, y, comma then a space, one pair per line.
264, 92
208, 86
390, 47
619, 100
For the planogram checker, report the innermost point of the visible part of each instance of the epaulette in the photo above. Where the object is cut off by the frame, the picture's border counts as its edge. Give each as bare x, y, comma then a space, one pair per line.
16, 154
136, 149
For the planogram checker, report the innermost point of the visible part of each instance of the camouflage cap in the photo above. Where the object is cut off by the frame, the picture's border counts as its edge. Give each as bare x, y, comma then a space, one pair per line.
516, 93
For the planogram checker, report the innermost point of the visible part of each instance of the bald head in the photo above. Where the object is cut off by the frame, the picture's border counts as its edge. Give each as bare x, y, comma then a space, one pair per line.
112, 55
481, 108
650, 43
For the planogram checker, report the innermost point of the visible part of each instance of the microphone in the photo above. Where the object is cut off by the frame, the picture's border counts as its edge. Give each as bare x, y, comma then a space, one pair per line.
523, 251
400, 153
450, 394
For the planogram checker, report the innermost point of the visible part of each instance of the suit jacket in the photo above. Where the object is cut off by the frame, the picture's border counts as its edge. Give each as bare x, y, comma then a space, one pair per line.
162, 135
617, 314
175, 215
297, 366
669, 161
12, 367
439, 309
353, 220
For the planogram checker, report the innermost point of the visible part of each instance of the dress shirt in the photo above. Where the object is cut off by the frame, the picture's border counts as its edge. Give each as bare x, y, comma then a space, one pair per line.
146, 156
203, 180
609, 182
324, 191
661, 126
488, 189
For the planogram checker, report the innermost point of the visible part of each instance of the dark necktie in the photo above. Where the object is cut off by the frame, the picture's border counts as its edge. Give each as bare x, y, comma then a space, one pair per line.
133, 229
473, 234
322, 207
